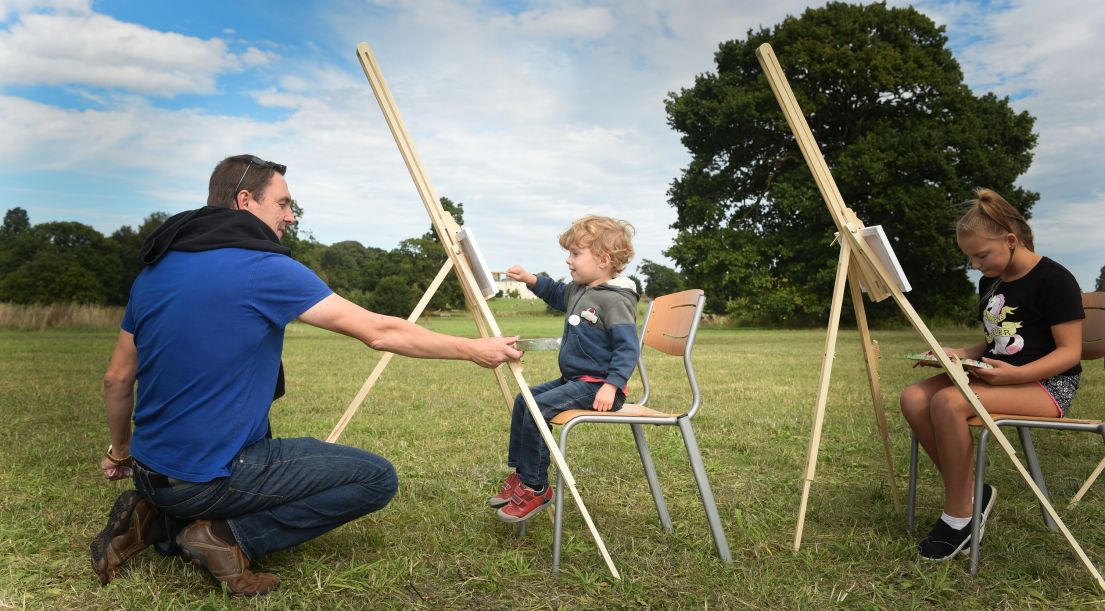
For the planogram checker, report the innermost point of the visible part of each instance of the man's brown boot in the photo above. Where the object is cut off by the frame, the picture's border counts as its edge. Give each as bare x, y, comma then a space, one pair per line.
223, 559
132, 525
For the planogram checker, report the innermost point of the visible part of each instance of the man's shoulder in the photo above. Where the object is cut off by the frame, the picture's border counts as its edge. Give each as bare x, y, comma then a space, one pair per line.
227, 264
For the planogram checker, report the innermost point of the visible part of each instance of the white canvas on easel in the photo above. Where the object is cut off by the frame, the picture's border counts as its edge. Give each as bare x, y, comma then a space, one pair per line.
858, 264
880, 245
465, 259
472, 252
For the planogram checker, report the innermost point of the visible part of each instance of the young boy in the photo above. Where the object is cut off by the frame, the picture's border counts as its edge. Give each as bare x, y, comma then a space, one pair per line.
598, 352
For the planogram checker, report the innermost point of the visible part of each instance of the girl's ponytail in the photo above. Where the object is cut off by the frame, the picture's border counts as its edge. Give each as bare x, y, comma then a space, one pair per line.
990, 215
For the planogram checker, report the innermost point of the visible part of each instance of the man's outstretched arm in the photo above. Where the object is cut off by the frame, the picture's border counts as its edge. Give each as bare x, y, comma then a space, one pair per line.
391, 334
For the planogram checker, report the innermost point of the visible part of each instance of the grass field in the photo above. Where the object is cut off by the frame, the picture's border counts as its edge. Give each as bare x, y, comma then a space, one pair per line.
444, 426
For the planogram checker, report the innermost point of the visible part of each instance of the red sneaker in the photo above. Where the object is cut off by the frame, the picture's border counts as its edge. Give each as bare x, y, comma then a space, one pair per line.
525, 503
506, 491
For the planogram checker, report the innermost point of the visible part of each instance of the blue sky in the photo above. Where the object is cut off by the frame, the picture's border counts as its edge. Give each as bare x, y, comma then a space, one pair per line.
530, 113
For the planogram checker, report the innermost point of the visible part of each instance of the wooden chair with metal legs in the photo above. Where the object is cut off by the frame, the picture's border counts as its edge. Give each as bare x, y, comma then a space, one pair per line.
670, 327
1093, 348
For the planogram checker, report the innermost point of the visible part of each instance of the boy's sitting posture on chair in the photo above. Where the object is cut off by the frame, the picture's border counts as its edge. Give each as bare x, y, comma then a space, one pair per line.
598, 352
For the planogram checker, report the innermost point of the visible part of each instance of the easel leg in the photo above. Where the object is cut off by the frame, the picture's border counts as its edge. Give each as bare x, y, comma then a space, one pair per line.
481, 325
1089, 482
823, 387
872, 361
446, 229
386, 357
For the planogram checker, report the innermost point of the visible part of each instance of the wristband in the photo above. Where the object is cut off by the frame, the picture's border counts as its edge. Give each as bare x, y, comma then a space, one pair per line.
119, 462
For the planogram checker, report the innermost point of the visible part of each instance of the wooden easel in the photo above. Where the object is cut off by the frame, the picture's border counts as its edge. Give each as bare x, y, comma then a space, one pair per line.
858, 263
442, 274
446, 228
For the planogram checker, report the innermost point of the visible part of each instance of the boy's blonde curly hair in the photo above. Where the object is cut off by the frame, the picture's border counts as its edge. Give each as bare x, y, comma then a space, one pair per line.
604, 236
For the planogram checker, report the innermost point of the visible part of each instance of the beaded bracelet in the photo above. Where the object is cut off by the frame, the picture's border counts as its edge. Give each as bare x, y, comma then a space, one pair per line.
121, 462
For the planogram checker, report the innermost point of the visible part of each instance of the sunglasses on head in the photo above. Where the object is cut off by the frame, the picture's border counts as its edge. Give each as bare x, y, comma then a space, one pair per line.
279, 168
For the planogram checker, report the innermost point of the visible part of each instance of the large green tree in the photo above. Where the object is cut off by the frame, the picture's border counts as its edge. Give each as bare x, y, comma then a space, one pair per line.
61, 262
660, 279
906, 140
420, 259
129, 244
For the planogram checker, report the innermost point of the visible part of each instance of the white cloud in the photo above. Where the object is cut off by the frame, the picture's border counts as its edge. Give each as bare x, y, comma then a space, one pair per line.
531, 131
16, 7
573, 22
256, 57
530, 119
99, 51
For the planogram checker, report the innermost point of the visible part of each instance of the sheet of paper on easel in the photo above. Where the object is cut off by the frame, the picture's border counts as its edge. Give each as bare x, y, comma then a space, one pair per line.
876, 239
476, 261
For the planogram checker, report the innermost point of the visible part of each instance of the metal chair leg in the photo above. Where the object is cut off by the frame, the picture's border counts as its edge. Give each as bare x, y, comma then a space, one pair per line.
911, 494
558, 504
704, 491
650, 475
1034, 468
976, 511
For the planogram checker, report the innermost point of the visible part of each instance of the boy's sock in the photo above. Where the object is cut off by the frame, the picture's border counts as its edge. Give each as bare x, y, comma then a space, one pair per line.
538, 489
954, 522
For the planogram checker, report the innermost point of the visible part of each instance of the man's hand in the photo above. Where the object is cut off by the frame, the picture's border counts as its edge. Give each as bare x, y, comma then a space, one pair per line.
491, 352
519, 273
113, 471
604, 399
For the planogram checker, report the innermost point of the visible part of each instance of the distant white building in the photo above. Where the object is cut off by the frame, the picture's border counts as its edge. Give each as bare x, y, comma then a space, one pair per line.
506, 284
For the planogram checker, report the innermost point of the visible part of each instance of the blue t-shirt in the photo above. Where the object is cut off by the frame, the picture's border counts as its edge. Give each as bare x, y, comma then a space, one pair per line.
209, 329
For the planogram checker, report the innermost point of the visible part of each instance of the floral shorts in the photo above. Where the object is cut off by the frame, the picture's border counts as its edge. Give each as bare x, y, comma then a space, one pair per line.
1062, 389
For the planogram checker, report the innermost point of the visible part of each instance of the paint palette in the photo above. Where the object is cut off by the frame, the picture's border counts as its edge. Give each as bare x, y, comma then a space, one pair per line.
931, 358
538, 343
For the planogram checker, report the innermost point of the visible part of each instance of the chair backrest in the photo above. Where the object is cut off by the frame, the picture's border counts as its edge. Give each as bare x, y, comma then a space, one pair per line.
670, 327
671, 320
1093, 328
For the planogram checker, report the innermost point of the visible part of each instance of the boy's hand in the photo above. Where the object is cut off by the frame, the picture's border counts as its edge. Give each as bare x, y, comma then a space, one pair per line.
604, 400
519, 273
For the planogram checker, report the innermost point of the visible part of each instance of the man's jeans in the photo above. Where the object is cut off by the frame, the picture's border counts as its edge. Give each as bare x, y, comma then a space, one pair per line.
280, 493
528, 452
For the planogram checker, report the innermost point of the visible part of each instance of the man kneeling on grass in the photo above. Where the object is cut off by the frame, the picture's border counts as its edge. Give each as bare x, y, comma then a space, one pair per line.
202, 335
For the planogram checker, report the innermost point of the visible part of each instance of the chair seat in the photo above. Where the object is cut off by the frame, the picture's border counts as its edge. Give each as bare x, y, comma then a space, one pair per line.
629, 409
976, 421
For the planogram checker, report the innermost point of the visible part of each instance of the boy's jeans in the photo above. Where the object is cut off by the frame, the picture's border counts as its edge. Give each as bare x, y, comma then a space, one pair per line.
528, 452
280, 493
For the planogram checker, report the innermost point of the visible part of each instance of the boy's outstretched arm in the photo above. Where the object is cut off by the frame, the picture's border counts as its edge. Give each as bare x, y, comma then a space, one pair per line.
549, 290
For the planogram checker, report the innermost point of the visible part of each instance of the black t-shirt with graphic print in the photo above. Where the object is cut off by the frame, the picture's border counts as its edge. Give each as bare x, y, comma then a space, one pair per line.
1017, 316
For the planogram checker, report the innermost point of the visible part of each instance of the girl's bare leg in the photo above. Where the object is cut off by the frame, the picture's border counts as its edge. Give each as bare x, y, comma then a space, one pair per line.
915, 402
949, 411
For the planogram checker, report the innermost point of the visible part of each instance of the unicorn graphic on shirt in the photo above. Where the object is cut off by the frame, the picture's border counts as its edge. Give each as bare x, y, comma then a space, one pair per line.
1002, 332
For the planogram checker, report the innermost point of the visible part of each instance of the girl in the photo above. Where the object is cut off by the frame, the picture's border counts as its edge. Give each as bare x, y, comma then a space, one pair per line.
1031, 312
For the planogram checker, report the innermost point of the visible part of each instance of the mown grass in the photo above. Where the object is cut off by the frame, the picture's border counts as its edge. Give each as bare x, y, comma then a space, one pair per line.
444, 426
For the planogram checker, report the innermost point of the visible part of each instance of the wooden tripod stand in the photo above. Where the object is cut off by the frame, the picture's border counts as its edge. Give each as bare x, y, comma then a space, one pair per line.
382, 364
447, 229
880, 285
848, 269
